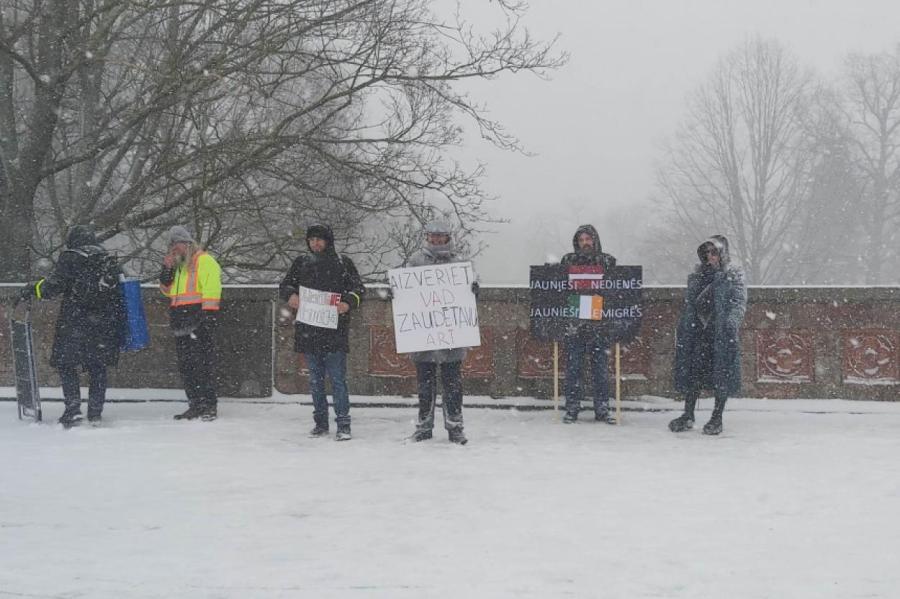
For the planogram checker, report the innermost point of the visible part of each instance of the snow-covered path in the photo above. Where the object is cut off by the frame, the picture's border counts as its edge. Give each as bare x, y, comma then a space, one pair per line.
786, 503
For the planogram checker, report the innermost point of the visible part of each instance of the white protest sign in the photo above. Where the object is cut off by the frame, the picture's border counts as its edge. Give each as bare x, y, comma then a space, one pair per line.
434, 307
318, 308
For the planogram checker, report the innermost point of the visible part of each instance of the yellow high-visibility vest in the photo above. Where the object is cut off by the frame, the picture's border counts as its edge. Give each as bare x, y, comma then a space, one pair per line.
197, 283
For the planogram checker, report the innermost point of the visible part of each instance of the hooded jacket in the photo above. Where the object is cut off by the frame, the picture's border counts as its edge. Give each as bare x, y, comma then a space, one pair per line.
325, 271
594, 257
708, 354
87, 332
426, 256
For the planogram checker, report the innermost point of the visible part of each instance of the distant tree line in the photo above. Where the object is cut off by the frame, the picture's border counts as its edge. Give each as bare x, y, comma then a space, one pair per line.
802, 174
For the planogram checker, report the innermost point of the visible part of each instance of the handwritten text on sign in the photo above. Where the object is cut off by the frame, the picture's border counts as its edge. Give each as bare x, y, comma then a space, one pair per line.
434, 307
318, 308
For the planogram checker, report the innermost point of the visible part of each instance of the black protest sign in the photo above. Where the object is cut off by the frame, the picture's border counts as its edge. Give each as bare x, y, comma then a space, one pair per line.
565, 299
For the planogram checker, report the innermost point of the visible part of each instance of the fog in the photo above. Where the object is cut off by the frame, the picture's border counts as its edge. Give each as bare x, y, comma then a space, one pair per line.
597, 127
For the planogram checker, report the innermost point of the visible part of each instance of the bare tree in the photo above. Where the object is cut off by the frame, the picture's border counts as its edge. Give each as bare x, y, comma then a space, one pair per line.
247, 118
741, 162
872, 111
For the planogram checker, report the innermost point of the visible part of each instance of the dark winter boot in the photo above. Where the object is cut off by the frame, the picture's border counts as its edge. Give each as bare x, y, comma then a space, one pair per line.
319, 430
192, 413
343, 433
421, 434
685, 422
457, 436
95, 412
209, 413
71, 416
605, 415
714, 426
571, 416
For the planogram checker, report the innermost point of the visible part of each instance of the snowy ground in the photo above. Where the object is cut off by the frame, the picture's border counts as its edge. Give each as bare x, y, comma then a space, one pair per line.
796, 499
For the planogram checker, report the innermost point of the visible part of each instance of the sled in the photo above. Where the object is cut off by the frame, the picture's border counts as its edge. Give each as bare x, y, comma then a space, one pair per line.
28, 395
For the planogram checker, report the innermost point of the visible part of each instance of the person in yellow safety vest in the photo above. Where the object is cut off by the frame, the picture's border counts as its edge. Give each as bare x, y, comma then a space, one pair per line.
192, 279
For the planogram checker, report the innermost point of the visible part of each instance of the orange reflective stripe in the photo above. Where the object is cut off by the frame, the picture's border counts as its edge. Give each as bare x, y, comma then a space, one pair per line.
210, 304
192, 275
185, 302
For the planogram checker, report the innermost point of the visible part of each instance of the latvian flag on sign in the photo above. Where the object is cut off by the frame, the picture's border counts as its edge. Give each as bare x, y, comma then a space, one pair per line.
581, 277
590, 307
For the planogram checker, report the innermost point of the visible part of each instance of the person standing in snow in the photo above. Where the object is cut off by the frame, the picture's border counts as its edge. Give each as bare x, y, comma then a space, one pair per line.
90, 326
192, 280
707, 347
324, 349
584, 339
438, 248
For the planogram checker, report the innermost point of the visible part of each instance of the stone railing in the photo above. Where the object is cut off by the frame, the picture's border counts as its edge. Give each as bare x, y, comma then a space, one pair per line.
809, 342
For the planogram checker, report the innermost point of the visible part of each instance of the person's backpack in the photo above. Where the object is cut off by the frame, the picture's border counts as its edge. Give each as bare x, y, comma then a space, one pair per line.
98, 285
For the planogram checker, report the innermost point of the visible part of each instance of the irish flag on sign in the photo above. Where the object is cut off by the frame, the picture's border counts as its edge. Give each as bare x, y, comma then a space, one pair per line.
581, 277
590, 307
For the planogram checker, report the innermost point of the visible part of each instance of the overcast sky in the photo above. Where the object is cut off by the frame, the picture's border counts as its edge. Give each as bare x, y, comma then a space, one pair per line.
598, 125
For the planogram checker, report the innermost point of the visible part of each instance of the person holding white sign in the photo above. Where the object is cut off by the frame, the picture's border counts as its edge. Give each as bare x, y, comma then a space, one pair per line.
439, 249
324, 287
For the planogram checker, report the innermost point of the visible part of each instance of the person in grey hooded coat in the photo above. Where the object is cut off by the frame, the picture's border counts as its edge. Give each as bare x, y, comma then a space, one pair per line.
439, 249
708, 344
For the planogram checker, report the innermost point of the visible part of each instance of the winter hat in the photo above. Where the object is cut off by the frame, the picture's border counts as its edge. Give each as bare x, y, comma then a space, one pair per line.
179, 234
438, 227
80, 236
322, 232
720, 243
443, 251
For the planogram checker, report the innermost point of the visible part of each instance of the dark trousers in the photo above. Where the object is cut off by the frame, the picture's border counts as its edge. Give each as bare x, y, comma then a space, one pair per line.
451, 383
598, 350
196, 362
71, 386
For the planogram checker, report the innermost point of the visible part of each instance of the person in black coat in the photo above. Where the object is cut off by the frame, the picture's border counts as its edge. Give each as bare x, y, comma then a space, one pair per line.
584, 339
325, 349
707, 343
90, 326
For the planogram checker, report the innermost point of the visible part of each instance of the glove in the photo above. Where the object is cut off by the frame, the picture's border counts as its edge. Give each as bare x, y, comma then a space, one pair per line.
475, 288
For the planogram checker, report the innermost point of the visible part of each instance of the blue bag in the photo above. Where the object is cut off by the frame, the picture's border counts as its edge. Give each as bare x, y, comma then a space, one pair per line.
137, 336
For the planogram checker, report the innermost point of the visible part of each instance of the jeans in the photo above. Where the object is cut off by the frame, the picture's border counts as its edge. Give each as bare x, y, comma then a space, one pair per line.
598, 349
334, 364
451, 382
72, 387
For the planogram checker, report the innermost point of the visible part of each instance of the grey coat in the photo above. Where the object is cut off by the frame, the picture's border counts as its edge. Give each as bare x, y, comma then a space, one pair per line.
424, 257
729, 305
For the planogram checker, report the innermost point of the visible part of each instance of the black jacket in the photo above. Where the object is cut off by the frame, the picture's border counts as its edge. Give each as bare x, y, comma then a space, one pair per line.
86, 332
593, 258
596, 257
327, 271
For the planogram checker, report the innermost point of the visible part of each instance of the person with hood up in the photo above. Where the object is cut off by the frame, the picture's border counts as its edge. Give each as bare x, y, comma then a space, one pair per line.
584, 339
707, 346
90, 325
192, 280
438, 248
324, 349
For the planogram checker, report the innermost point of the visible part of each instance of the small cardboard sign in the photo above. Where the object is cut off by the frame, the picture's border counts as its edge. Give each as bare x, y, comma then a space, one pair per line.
318, 308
